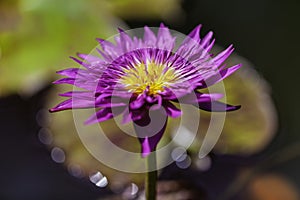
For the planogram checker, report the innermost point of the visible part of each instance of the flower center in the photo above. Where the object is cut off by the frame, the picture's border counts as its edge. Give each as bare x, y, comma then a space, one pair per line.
149, 77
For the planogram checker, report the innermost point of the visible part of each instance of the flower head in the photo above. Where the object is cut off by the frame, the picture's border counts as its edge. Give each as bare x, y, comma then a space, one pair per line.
135, 76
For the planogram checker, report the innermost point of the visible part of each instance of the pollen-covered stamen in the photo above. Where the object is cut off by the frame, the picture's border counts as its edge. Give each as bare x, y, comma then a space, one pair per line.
150, 76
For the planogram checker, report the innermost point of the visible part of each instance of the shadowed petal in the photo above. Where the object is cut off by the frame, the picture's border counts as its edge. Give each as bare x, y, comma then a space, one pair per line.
137, 103
198, 97
216, 106
65, 81
149, 143
103, 115
171, 110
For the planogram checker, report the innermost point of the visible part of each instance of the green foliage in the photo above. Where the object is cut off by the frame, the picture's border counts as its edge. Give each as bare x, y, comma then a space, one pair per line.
45, 35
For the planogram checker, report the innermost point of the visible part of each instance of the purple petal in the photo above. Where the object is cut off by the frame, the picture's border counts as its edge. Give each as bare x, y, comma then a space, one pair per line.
110, 51
84, 64
159, 103
65, 81
149, 37
165, 41
168, 94
125, 41
209, 46
220, 76
221, 57
216, 106
195, 33
198, 97
78, 94
103, 115
126, 116
73, 104
67, 104
149, 143
100, 116
146, 147
140, 116
191, 45
137, 103
205, 41
89, 58
105, 44
70, 72
110, 102
171, 110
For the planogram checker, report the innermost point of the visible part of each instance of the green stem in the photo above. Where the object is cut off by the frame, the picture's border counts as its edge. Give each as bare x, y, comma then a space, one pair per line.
151, 177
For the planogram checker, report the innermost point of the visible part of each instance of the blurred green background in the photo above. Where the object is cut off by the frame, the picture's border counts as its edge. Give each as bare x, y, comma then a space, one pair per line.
38, 36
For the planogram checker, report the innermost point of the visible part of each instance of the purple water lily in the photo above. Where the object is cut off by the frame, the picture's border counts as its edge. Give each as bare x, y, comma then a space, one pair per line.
134, 77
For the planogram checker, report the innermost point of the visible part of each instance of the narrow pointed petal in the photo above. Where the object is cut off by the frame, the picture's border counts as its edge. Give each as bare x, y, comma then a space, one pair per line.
220, 76
70, 72
221, 57
205, 41
89, 58
73, 103
65, 81
125, 42
84, 64
105, 44
149, 37
216, 106
198, 97
195, 33
79, 95
165, 41
100, 116
104, 114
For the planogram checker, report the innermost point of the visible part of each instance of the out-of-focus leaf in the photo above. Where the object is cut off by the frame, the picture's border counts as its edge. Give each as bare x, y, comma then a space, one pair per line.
9, 15
48, 32
143, 9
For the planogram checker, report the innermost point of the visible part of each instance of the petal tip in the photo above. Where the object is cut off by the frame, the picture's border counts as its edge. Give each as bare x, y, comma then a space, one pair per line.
162, 25
121, 30
100, 40
233, 108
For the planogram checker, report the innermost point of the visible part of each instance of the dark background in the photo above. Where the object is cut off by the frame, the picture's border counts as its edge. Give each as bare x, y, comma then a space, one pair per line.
265, 32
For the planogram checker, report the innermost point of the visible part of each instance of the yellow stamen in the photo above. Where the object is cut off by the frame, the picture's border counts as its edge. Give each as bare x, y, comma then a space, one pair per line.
153, 76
